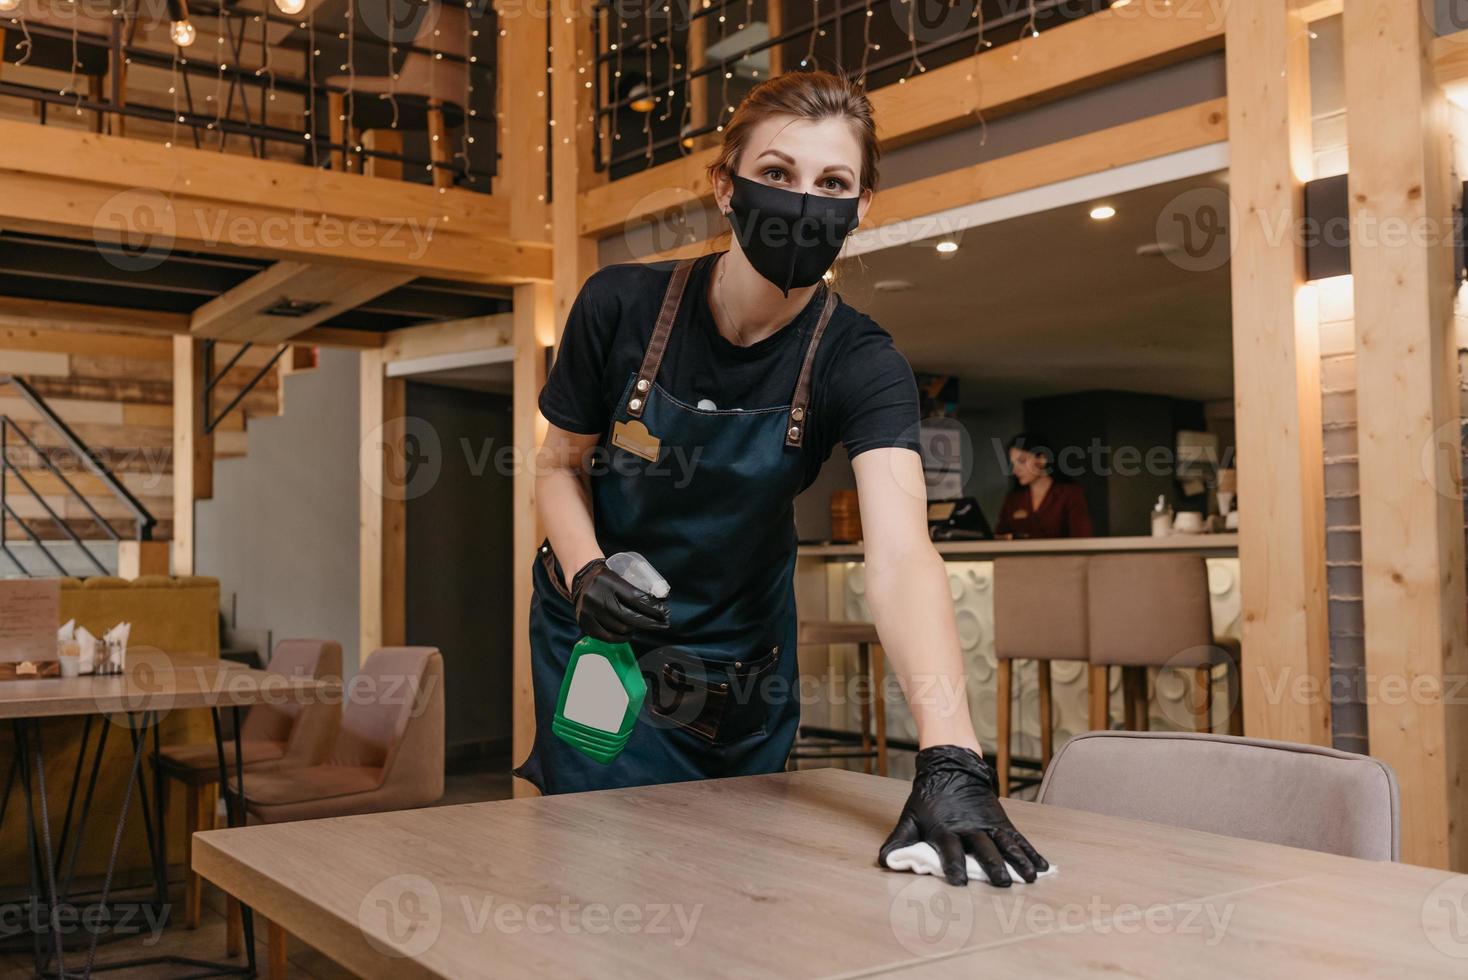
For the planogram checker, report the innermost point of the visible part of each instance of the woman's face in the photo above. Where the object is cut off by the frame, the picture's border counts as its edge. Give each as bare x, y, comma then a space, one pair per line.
821, 157
1026, 466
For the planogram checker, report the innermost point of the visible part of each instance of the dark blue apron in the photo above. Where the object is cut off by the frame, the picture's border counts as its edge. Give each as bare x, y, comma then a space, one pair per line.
711, 505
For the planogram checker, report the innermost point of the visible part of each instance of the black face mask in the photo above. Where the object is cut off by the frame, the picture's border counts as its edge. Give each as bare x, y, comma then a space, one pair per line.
791, 239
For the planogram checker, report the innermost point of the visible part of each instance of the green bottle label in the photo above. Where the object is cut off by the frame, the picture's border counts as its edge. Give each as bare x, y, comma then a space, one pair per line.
601, 695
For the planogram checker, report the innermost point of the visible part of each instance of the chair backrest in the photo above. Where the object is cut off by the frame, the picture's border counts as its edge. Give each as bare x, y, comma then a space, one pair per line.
1150, 610
394, 710
277, 720
1281, 792
1040, 607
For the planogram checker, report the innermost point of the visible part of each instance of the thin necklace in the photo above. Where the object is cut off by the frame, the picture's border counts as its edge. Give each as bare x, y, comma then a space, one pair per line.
723, 311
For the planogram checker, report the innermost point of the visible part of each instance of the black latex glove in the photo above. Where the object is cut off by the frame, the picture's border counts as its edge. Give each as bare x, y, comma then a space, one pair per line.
953, 807
610, 608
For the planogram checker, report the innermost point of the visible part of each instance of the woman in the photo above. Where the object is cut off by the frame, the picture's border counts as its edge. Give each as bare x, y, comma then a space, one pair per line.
1040, 504
689, 404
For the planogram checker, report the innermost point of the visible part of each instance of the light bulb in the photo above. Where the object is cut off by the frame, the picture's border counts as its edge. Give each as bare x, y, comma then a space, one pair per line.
182, 33
290, 7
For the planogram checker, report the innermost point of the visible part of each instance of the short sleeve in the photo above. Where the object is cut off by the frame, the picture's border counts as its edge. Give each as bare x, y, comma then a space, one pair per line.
876, 397
573, 398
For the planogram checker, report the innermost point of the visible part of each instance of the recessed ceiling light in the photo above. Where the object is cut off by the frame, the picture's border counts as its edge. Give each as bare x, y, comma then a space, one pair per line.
893, 285
1117, 4
1103, 211
947, 246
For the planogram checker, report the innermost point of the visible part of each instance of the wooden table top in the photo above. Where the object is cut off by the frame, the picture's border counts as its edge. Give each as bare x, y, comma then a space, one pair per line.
156, 681
775, 876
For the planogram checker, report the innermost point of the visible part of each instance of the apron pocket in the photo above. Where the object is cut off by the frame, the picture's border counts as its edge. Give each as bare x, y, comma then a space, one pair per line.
718, 701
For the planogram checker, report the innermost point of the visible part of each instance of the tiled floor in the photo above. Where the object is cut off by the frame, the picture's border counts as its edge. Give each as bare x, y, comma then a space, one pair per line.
207, 942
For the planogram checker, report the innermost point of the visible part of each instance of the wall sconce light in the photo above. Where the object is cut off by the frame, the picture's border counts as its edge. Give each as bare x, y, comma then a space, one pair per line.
1328, 221
1328, 247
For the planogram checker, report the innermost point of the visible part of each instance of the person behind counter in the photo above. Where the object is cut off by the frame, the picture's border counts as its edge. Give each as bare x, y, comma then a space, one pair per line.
1042, 503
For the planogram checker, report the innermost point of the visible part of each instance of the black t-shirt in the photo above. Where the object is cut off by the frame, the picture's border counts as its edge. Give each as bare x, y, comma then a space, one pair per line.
863, 393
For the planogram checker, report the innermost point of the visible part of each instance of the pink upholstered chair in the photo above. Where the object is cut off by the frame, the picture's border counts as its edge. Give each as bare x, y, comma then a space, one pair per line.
389, 752
272, 737
389, 755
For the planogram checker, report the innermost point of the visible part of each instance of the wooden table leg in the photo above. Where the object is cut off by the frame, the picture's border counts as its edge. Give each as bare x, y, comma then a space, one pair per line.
1047, 717
1203, 698
234, 927
438, 145
879, 704
864, 702
1099, 695
1004, 681
336, 127
276, 953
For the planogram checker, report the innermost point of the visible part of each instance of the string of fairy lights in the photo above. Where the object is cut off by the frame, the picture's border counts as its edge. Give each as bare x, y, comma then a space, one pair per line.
231, 26
652, 65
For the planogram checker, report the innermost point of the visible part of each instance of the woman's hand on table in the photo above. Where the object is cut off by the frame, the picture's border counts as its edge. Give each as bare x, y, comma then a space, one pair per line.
953, 808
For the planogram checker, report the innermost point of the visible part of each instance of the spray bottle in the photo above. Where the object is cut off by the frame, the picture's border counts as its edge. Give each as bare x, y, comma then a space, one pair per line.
603, 690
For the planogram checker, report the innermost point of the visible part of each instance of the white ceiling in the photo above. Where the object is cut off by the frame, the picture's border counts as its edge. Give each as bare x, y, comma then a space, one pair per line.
1057, 302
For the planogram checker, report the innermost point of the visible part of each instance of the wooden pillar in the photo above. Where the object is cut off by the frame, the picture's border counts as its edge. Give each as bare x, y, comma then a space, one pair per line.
572, 170
385, 472
534, 334
524, 107
1276, 379
137, 558
1408, 423
193, 448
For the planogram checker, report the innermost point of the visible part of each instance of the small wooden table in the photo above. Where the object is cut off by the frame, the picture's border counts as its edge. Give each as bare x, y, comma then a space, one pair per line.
775, 876
154, 683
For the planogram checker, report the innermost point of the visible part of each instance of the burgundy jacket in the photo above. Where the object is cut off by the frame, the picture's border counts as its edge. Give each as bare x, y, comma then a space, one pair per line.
1062, 514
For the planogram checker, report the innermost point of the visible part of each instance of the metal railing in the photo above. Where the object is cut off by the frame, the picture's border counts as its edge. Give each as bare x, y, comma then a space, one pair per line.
649, 71
232, 113
212, 378
10, 431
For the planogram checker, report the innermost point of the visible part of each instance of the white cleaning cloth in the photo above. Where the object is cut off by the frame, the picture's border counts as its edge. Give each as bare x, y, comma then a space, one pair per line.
921, 858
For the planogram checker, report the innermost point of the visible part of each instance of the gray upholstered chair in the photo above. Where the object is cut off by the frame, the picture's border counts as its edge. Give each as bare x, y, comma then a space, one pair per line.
1280, 792
1151, 611
1040, 614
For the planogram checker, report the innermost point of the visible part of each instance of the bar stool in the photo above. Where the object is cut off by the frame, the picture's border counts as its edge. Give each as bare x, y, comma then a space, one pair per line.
871, 662
1040, 614
272, 737
1152, 610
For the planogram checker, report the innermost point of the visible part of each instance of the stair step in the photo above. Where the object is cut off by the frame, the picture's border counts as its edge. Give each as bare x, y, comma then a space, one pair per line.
84, 528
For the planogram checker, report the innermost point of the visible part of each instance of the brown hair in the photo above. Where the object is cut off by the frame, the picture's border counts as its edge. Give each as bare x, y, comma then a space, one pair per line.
809, 95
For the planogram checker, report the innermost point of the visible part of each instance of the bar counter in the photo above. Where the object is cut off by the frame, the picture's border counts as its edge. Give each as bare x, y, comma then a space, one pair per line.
830, 583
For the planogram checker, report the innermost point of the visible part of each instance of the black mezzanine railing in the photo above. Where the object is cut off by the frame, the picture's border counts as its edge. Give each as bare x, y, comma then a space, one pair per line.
219, 93
668, 75
13, 435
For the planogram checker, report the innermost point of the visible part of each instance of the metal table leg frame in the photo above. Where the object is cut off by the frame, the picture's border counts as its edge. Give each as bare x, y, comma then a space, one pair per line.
234, 811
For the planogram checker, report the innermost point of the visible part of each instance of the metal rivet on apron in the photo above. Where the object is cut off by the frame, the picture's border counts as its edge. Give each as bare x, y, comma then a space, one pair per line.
795, 432
635, 404
643, 384
737, 664
797, 414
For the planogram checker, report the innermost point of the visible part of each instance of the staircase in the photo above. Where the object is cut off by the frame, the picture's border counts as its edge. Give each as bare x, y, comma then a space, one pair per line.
86, 442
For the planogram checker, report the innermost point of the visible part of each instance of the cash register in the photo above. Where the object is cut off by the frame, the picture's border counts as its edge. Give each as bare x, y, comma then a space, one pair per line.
959, 519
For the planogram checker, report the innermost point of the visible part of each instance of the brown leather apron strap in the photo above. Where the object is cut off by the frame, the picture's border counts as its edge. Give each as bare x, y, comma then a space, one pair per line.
658, 345
800, 404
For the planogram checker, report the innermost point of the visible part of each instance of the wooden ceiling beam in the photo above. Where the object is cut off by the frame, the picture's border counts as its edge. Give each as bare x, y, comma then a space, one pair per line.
262, 308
